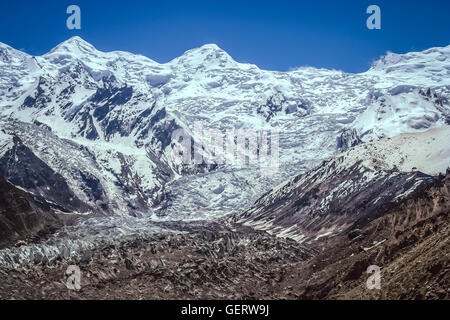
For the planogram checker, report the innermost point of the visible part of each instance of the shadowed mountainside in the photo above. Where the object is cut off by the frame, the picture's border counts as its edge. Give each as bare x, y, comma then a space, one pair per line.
23, 215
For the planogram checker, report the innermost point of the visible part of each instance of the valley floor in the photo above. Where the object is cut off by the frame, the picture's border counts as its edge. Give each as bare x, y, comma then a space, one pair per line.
222, 263
409, 242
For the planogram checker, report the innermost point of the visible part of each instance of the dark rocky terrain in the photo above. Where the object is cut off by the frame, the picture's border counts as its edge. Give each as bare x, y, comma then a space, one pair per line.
332, 198
22, 168
23, 215
409, 241
215, 263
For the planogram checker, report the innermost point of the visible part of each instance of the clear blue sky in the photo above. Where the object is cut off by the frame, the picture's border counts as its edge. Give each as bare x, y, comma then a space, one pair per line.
275, 35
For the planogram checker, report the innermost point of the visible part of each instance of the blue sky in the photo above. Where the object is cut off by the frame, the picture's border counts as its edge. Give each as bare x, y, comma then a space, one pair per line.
275, 35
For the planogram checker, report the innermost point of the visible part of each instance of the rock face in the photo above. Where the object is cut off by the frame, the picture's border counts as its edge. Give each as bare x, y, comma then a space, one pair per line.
81, 179
22, 168
316, 207
351, 189
407, 242
23, 215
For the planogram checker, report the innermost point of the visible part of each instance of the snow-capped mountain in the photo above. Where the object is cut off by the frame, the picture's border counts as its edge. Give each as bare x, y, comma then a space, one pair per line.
103, 121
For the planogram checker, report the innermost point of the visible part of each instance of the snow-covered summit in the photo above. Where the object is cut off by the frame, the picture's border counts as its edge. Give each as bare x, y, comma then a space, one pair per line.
74, 46
392, 61
413, 110
207, 56
429, 67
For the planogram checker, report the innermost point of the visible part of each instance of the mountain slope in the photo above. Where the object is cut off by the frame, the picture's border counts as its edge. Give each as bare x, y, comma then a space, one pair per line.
353, 188
23, 215
409, 242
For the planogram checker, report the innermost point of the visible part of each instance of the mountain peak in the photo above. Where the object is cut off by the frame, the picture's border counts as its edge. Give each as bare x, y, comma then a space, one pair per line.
208, 54
74, 45
210, 46
77, 40
417, 58
205, 50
